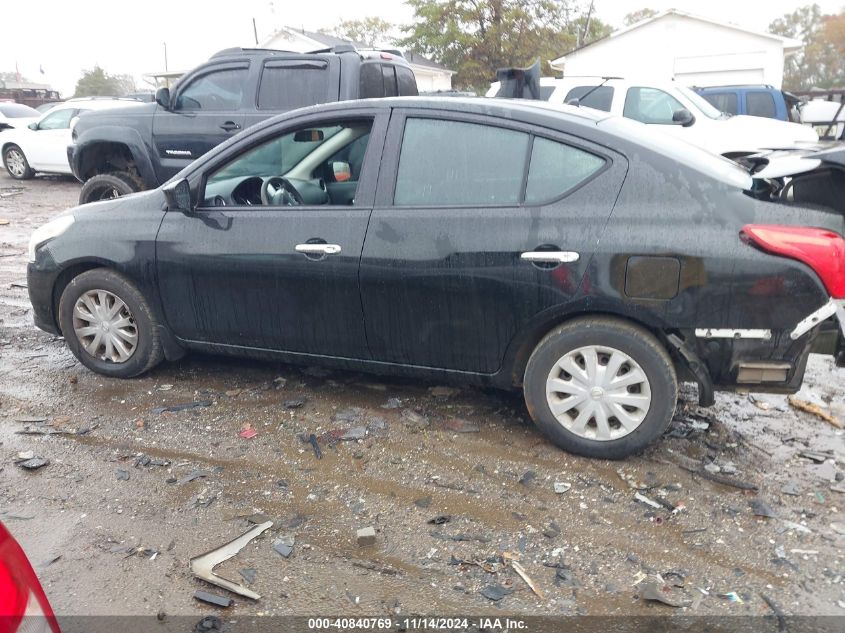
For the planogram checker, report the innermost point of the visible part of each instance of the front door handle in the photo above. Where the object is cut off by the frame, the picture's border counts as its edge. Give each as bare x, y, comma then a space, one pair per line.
318, 249
229, 126
552, 257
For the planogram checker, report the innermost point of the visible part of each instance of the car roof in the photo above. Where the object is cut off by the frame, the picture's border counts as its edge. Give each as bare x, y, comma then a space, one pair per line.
94, 103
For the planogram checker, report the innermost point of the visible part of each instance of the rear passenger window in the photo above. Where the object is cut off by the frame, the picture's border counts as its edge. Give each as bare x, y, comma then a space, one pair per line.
760, 104
371, 81
598, 97
723, 101
294, 84
556, 168
390, 89
451, 163
407, 81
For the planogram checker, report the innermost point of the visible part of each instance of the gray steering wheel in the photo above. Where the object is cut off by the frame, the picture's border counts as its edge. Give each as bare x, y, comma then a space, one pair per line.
278, 191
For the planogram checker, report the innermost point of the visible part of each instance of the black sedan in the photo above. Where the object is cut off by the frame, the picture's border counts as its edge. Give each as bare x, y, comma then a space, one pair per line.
575, 255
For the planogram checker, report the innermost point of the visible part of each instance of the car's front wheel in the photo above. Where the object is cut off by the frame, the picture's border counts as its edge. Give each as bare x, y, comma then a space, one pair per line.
108, 324
16, 164
601, 387
108, 186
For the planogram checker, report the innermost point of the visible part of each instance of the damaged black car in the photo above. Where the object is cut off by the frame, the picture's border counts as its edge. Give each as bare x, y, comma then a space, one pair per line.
559, 250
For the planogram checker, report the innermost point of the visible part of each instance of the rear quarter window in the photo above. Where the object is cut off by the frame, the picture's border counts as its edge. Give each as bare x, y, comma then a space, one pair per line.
723, 101
556, 168
760, 104
291, 85
600, 98
407, 82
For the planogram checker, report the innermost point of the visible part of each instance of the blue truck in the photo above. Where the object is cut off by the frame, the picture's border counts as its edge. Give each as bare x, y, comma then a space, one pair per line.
753, 100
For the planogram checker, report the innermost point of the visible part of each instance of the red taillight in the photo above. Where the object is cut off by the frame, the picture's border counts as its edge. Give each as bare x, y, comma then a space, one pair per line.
23, 605
820, 249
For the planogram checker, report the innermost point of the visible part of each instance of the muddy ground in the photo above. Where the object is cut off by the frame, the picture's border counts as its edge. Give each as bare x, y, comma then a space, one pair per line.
110, 533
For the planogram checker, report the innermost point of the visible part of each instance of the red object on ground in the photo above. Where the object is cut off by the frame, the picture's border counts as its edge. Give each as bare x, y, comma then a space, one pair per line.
248, 434
23, 605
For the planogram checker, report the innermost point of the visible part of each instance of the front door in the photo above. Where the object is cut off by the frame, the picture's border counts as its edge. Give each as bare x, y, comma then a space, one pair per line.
204, 112
270, 258
466, 244
46, 147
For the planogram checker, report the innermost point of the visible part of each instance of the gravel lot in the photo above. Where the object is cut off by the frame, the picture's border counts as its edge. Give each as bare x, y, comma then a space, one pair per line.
109, 533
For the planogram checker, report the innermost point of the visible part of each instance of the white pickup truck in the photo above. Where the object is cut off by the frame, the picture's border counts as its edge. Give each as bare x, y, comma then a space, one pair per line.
669, 107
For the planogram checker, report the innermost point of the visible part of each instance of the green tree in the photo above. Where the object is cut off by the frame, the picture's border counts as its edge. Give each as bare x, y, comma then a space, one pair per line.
638, 16
820, 61
371, 31
475, 37
98, 83
12, 76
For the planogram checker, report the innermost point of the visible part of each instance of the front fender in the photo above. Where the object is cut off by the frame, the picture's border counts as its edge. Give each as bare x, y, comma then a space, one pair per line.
82, 153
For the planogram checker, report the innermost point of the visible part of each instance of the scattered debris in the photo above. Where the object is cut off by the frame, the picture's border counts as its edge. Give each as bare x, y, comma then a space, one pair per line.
295, 403
513, 561
762, 509
732, 596
779, 614
562, 486
197, 474
248, 433
423, 502
494, 592
816, 410
121, 475
208, 623
413, 420
643, 499
213, 598
791, 488
366, 537
817, 456
203, 566
284, 545
792, 525
181, 407
312, 440
440, 519
34, 463
527, 477
665, 594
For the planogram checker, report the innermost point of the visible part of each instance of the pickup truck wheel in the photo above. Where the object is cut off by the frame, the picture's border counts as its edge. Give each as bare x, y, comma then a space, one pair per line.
107, 186
16, 164
600, 387
108, 324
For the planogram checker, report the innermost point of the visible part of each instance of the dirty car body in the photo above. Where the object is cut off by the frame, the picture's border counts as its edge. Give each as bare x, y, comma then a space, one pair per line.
558, 249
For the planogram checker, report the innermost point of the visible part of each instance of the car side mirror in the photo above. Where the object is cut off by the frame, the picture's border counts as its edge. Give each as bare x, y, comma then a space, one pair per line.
683, 117
163, 97
33, 126
178, 196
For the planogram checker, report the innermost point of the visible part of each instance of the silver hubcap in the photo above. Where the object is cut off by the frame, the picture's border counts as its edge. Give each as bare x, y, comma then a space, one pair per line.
104, 326
15, 162
598, 393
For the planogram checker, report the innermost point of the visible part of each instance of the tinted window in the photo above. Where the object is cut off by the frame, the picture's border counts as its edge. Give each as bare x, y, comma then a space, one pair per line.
390, 88
287, 86
407, 81
598, 97
446, 163
556, 168
760, 104
371, 81
650, 105
723, 101
59, 120
217, 90
546, 92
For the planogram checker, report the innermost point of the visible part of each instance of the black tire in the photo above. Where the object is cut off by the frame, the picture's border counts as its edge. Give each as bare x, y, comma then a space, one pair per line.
107, 186
148, 352
27, 171
640, 345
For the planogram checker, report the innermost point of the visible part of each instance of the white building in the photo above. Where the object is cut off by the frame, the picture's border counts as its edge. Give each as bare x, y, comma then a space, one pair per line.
430, 76
692, 49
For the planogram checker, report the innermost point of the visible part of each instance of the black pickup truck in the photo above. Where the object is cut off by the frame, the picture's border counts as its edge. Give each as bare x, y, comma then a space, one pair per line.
116, 152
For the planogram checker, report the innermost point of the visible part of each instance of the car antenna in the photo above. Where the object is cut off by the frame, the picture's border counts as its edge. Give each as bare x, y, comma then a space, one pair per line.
577, 100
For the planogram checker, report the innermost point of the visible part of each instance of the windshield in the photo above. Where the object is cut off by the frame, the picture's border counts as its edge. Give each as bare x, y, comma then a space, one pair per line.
707, 108
17, 111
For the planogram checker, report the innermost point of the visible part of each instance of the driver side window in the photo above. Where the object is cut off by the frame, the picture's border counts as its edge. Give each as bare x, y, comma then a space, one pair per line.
217, 90
650, 105
316, 165
57, 120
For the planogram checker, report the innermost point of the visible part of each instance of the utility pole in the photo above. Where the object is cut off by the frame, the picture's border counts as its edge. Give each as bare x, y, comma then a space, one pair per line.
255, 31
583, 35
165, 56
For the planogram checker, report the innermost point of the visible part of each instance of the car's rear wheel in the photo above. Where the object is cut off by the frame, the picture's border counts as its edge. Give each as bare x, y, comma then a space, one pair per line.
108, 186
14, 160
108, 324
601, 387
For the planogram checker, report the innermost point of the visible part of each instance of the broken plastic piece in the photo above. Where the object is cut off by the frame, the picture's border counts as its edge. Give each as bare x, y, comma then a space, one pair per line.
203, 566
211, 598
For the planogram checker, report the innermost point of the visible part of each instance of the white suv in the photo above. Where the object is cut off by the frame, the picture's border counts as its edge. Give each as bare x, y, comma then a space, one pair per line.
675, 109
41, 146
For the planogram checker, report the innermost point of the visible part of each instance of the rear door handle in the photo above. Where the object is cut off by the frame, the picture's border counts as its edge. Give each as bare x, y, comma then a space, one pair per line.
554, 257
318, 249
229, 126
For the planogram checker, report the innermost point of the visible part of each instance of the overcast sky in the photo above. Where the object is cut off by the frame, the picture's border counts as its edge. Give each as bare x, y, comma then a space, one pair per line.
62, 37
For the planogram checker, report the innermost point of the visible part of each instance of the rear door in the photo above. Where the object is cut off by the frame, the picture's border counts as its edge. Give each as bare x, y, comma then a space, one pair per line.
205, 111
465, 243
